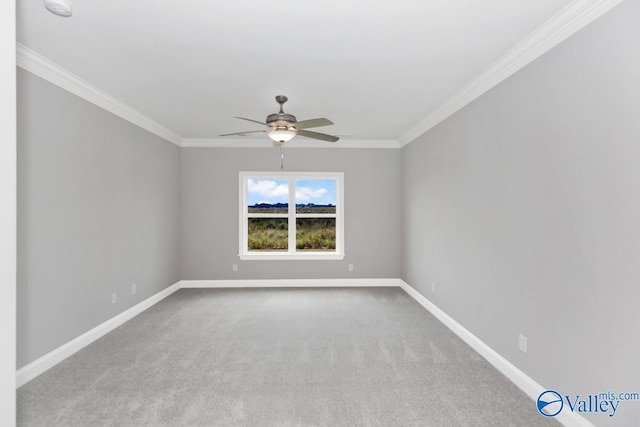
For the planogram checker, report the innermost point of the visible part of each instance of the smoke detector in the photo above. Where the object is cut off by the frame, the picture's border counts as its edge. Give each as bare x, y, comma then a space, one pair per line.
59, 7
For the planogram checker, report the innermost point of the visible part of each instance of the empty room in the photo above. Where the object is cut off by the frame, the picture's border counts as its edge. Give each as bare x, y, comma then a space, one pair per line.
362, 213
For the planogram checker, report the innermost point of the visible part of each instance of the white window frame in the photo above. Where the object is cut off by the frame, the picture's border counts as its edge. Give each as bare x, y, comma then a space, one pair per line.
292, 253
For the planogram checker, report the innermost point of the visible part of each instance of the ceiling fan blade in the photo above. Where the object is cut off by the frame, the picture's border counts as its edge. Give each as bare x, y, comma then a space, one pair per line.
243, 133
318, 135
313, 123
250, 120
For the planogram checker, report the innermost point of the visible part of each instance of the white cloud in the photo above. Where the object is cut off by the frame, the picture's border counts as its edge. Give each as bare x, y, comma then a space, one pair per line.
304, 194
267, 188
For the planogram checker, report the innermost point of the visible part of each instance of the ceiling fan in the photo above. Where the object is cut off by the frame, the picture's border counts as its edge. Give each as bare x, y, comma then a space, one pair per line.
281, 127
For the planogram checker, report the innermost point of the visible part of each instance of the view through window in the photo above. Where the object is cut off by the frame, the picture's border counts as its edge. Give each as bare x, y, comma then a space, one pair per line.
291, 215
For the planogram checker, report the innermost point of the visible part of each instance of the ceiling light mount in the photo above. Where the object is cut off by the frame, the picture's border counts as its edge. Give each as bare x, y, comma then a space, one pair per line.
59, 7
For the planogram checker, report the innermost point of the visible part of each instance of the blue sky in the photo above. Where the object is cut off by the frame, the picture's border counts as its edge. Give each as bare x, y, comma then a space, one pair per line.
318, 191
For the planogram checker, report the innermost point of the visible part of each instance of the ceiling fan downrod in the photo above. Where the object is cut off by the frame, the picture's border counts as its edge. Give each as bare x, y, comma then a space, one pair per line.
281, 99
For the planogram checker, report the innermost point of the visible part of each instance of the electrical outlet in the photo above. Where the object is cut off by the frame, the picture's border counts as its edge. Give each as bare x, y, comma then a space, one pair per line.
133, 289
234, 267
433, 287
114, 298
350, 267
522, 343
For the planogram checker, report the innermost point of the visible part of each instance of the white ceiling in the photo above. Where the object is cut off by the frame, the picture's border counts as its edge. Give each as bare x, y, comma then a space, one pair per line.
376, 68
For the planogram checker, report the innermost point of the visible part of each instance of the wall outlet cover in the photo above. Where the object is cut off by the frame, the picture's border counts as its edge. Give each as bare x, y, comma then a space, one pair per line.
522, 343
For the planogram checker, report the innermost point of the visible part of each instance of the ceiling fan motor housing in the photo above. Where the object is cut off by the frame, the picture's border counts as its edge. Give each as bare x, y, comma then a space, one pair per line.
281, 119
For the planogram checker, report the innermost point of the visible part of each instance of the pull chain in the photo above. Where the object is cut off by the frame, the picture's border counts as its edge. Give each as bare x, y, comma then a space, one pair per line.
282, 156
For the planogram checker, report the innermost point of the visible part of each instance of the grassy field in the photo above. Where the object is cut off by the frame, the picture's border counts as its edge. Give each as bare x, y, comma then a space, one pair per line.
268, 234
312, 234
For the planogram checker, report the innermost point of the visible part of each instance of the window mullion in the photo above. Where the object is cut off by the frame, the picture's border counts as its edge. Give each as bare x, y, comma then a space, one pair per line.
292, 216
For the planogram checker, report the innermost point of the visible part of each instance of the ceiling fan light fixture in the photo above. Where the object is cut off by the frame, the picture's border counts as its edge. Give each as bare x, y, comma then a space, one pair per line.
281, 134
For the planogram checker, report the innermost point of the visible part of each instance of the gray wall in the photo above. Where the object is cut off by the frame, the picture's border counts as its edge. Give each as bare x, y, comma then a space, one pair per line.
524, 209
209, 216
98, 211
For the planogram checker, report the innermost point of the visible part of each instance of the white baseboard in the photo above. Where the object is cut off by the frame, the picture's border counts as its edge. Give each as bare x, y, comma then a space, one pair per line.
37, 367
288, 283
515, 375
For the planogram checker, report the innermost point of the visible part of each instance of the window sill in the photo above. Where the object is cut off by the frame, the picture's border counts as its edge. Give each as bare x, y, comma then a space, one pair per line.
289, 257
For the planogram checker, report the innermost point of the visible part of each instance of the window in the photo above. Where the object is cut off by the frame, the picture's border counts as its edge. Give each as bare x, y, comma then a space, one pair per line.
291, 215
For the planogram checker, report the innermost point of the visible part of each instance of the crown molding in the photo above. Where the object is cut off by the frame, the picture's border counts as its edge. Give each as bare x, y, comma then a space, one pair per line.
39, 65
563, 24
266, 143
52, 72
559, 27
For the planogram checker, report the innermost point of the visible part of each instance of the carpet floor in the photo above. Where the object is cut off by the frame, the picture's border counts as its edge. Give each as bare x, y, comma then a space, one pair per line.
278, 357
